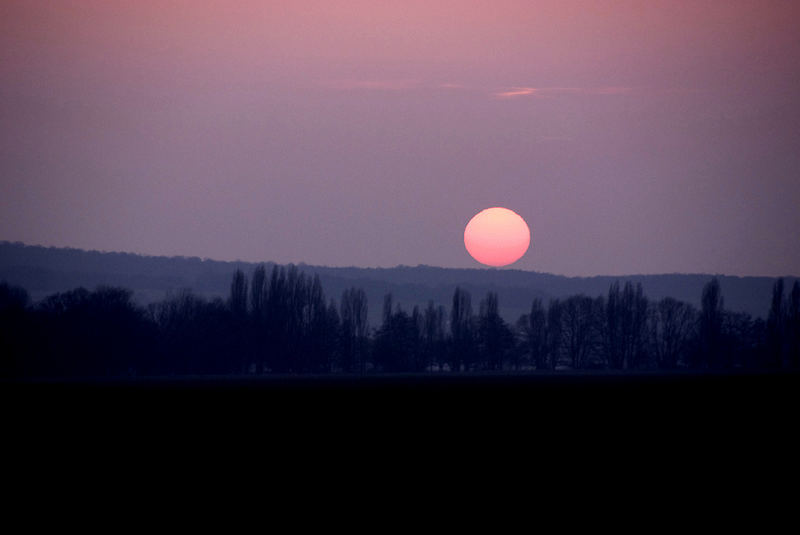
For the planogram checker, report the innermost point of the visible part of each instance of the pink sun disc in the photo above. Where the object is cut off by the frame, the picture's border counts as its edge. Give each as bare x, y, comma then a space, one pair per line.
497, 237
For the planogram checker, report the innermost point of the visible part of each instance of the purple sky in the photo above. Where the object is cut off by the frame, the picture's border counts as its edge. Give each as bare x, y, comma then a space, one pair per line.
633, 137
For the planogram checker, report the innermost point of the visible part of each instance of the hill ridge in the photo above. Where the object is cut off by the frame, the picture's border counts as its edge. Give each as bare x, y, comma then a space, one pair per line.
44, 270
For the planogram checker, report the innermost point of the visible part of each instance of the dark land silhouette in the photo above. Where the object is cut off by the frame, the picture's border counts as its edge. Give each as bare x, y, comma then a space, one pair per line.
279, 320
43, 271
284, 350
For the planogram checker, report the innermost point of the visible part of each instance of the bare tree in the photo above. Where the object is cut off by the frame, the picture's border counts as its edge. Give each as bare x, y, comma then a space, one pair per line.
237, 303
710, 327
634, 324
238, 297
671, 328
776, 327
536, 335
494, 336
433, 335
793, 325
555, 333
461, 329
257, 291
354, 329
579, 329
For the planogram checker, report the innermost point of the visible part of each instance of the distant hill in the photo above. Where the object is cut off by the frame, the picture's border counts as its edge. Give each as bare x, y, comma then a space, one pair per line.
46, 270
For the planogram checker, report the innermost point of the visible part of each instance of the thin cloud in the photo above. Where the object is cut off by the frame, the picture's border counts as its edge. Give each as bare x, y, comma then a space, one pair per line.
516, 92
406, 84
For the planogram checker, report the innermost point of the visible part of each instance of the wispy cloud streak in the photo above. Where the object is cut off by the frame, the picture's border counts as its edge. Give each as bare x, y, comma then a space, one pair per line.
516, 92
513, 92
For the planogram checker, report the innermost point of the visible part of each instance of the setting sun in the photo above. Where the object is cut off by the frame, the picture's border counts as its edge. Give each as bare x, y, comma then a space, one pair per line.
497, 237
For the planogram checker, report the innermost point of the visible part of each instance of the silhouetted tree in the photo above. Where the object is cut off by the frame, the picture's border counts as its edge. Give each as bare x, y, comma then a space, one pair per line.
258, 291
758, 331
612, 329
332, 336
793, 325
494, 337
461, 330
384, 350
534, 330
433, 336
238, 297
297, 301
91, 334
316, 339
555, 333
710, 327
580, 331
635, 331
260, 335
277, 319
776, 327
193, 334
672, 327
353, 330
241, 328
398, 341
285, 325
418, 360
625, 327
740, 340
15, 330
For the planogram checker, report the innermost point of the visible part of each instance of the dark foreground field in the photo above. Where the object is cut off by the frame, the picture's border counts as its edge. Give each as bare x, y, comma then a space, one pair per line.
532, 393
576, 416
530, 381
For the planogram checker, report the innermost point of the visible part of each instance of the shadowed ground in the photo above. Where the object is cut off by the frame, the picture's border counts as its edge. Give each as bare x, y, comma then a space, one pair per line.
533, 394
583, 417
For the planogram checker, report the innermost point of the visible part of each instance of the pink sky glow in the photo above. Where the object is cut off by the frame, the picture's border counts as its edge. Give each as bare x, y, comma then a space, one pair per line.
634, 137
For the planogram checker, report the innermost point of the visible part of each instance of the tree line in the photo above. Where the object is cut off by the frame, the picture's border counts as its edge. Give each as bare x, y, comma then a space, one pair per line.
282, 322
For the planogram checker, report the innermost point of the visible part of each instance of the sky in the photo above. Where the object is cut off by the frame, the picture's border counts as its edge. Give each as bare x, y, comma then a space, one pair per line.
633, 137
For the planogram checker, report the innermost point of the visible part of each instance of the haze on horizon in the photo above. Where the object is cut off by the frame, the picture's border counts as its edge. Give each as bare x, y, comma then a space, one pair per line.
633, 137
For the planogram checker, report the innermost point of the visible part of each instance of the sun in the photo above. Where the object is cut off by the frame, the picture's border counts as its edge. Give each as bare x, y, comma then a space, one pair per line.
497, 237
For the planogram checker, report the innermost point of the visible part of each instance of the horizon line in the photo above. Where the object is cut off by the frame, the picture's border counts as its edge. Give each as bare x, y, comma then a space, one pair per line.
397, 266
